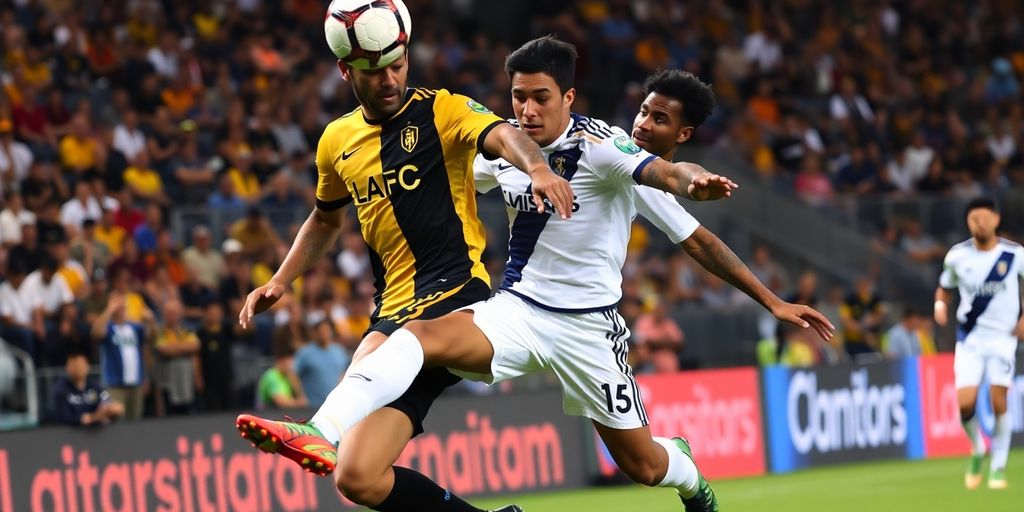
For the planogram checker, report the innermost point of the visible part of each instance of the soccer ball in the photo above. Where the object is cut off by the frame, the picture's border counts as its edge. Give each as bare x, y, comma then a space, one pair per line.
367, 34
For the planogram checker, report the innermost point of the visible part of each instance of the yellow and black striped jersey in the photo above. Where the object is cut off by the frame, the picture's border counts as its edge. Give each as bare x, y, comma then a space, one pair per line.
411, 179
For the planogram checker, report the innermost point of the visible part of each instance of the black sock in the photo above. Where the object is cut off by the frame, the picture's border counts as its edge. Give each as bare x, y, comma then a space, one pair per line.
414, 491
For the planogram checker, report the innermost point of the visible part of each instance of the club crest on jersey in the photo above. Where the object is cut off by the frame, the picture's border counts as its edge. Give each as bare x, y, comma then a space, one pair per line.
410, 136
558, 165
1002, 268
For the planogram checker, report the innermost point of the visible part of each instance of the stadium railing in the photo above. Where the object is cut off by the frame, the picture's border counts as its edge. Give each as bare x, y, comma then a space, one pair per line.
19, 398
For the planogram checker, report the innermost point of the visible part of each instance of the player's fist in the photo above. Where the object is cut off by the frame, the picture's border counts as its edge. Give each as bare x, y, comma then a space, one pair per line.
260, 300
940, 313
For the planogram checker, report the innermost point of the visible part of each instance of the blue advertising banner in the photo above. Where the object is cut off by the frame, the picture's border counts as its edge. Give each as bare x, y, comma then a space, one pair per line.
842, 413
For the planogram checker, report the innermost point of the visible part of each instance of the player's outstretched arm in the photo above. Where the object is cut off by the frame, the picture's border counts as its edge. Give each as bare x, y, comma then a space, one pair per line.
515, 146
712, 253
686, 179
317, 234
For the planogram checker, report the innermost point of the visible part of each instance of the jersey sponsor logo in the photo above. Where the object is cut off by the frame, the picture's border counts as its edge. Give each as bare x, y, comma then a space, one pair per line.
477, 107
985, 289
410, 136
385, 184
525, 203
345, 155
626, 145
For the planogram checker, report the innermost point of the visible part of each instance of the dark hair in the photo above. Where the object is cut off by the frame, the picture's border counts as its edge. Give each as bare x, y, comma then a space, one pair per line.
696, 96
547, 55
48, 263
977, 203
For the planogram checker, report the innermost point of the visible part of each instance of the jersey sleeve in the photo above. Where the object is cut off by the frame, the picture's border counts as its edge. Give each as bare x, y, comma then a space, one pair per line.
462, 121
616, 157
948, 279
331, 193
484, 174
664, 211
1020, 261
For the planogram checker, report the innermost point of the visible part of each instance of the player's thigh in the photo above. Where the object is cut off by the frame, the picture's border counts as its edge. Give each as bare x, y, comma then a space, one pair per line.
635, 452
968, 366
590, 359
514, 331
453, 341
368, 450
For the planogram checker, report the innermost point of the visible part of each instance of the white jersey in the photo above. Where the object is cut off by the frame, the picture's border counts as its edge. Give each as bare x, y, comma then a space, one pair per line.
990, 304
575, 265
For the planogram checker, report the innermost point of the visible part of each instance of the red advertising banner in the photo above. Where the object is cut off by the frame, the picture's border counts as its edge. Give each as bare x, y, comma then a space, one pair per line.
943, 435
718, 411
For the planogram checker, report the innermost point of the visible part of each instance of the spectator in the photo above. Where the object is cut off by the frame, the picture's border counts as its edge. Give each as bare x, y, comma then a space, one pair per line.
80, 151
768, 271
79, 400
128, 137
861, 318
176, 370
21, 310
918, 245
811, 184
859, 174
87, 250
77, 209
15, 157
110, 234
660, 337
216, 339
124, 355
320, 363
254, 233
279, 387
196, 297
902, 339
13, 217
73, 273
144, 181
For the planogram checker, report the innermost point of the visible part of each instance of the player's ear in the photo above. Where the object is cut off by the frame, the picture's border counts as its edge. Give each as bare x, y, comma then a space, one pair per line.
569, 96
346, 70
684, 134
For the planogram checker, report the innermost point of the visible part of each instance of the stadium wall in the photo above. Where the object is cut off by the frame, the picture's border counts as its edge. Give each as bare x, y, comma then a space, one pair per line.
741, 421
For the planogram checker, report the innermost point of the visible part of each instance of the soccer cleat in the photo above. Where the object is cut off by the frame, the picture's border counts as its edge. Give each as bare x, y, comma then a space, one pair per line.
704, 500
973, 477
997, 479
298, 441
509, 508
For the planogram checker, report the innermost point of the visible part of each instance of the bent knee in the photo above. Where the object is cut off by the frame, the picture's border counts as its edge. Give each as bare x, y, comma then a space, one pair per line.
361, 485
966, 412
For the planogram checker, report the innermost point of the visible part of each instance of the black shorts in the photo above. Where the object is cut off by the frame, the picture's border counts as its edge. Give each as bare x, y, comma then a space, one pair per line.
430, 382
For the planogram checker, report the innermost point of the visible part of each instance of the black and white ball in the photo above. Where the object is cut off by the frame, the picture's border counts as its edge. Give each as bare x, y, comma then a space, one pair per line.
368, 34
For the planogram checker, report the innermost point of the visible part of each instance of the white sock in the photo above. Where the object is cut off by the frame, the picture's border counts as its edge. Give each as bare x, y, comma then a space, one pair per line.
974, 434
375, 381
682, 472
1001, 441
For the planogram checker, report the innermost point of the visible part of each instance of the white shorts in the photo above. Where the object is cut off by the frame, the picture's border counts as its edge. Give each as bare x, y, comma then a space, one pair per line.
995, 359
586, 351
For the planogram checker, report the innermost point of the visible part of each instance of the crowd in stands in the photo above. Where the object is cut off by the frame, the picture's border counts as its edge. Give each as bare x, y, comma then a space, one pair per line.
118, 115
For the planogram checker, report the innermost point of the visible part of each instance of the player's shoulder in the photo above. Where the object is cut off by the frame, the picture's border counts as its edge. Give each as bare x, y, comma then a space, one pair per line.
592, 129
960, 249
1010, 244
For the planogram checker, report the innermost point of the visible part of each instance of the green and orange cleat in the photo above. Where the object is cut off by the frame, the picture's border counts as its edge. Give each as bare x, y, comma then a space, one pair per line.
298, 441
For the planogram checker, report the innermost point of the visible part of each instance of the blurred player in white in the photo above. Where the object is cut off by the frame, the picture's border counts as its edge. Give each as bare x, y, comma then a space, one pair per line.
986, 270
556, 308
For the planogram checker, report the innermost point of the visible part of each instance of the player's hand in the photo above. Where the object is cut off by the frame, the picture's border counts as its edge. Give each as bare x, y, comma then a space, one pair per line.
545, 184
805, 317
940, 313
708, 186
260, 300
1019, 331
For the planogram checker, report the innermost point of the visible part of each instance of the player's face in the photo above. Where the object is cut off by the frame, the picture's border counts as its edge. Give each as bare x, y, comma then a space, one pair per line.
983, 223
659, 126
540, 107
380, 91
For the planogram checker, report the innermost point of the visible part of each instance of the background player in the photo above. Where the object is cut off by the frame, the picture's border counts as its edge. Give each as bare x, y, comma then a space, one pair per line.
556, 308
986, 270
404, 159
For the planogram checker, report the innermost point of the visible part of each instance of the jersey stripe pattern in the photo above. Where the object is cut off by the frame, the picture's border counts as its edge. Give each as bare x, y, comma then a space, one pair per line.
410, 179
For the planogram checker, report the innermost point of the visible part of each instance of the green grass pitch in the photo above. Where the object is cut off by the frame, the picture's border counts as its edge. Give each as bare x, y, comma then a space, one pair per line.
925, 486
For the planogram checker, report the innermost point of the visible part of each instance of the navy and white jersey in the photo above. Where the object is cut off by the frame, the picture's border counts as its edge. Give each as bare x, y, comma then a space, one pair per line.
575, 265
989, 284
